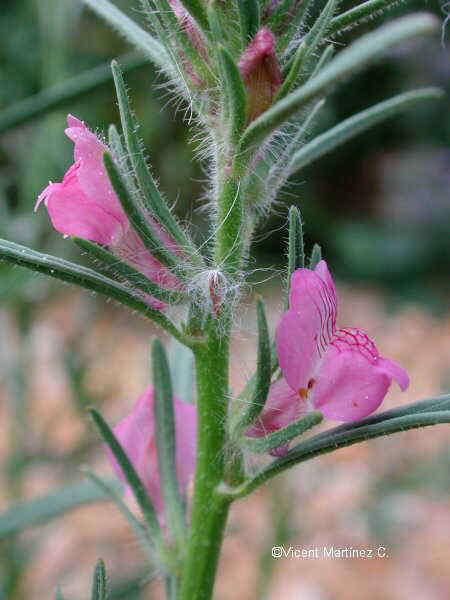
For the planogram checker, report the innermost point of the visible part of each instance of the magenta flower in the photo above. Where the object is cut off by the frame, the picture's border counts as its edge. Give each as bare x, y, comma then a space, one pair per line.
260, 72
337, 371
85, 205
136, 434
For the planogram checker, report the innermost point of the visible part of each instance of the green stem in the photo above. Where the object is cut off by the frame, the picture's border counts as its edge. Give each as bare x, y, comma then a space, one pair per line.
209, 509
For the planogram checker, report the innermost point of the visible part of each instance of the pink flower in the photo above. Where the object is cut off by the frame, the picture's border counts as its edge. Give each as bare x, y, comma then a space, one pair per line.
85, 205
260, 72
337, 371
136, 434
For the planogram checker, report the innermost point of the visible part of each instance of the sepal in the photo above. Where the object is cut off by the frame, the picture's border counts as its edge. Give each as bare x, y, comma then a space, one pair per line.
166, 444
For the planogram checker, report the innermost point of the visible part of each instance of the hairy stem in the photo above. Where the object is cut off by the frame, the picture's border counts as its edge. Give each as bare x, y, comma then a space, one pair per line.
209, 509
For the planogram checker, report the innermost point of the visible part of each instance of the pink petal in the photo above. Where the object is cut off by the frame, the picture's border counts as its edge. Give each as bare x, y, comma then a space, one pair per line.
352, 379
136, 433
307, 328
395, 371
282, 407
92, 176
73, 213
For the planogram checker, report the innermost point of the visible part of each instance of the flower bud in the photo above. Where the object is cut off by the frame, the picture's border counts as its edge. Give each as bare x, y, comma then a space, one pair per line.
260, 72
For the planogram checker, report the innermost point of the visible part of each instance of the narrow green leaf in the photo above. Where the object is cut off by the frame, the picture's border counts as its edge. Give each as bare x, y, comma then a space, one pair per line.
134, 277
310, 44
334, 439
85, 278
235, 91
292, 73
130, 30
140, 531
99, 591
297, 22
40, 510
296, 250
64, 93
249, 17
129, 472
196, 10
312, 448
136, 217
316, 256
280, 172
251, 406
152, 199
360, 13
324, 59
363, 51
353, 126
166, 443
121, 157
438, 404
284, 435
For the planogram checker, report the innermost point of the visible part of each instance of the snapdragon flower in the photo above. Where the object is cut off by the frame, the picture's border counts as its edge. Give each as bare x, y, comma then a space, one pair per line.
85, 205
336, 371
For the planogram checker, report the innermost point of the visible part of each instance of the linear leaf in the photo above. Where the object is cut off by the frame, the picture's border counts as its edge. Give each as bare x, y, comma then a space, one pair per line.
129, 472
363, 51
134, 277
438, 404
166, 442
249, 17
43, 509
353, 126
318, 32
254, 403
359, 13
235, 91
154, 203
63, 93
99, 591
324, 59
337, 438
130, 30
316, 256
296, 250
86, 278
284, 435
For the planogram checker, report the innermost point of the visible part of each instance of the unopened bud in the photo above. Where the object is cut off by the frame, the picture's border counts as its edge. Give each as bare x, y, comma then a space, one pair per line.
260, 72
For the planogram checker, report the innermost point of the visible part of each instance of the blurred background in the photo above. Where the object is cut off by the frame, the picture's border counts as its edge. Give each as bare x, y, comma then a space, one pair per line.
380, 209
